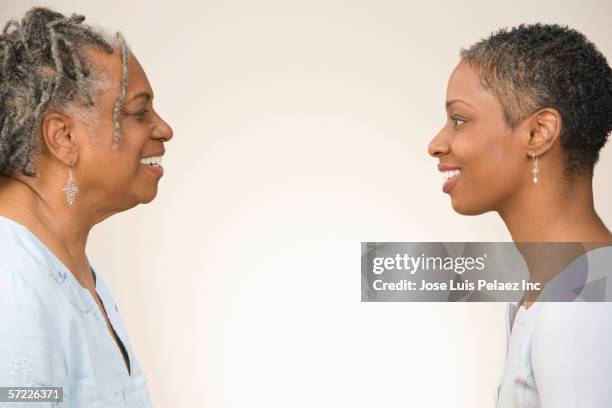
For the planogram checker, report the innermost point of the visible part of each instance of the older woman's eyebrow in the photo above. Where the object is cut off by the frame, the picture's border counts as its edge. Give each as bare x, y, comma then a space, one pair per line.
143, 94
449, 103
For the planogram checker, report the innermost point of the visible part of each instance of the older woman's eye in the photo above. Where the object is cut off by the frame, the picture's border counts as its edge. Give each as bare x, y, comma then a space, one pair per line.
140, 114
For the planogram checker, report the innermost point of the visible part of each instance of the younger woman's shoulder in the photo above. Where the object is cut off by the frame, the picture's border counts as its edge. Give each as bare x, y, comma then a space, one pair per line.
568, 314
563, 326
571, 355
566, 325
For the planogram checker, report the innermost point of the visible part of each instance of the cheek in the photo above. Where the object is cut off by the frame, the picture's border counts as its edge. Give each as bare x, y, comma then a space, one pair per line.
126, 165
487, 153
114, 167
491, 168
114, 173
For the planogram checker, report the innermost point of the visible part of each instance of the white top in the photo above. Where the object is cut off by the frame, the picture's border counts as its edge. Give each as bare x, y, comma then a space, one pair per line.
53, 334
559, 354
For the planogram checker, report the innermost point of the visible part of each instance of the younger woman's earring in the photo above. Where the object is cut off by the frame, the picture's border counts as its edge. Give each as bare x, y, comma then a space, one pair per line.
535, 169
70, 188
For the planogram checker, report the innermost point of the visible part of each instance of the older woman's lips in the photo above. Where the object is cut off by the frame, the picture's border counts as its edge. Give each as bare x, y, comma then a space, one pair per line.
152, 162
156, 169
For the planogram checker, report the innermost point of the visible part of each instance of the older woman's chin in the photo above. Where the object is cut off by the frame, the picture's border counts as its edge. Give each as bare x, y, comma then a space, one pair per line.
141, 194
147, 201
149, 197
146, 186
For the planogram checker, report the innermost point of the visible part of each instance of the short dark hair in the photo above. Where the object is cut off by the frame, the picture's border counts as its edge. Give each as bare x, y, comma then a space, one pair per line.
534, 66
43, 67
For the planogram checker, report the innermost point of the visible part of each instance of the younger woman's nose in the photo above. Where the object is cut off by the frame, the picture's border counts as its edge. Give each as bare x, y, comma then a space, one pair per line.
438, 146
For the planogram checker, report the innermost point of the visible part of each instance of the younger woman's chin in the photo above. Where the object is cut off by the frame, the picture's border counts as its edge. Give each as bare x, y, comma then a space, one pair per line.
465, 208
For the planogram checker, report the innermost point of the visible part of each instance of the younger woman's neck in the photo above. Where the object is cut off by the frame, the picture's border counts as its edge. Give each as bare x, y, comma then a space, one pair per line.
555, 212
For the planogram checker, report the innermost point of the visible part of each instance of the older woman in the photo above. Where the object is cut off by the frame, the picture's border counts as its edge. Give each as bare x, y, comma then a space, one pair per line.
79, 142
529, 110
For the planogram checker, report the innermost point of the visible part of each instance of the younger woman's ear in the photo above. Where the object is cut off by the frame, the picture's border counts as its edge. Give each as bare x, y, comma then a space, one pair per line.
544, 129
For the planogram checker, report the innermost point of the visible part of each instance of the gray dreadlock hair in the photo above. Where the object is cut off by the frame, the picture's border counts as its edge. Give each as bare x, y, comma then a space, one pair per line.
42, 67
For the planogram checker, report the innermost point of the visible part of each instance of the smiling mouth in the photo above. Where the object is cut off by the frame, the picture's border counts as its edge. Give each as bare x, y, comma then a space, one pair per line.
151, 161
449, 177
153, 164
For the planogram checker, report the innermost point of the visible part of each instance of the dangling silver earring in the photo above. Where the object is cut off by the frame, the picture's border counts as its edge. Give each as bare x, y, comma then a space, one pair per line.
70, 188
535, 169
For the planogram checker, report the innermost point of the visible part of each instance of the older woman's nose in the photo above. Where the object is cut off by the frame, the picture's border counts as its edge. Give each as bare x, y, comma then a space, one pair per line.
163, 130
438, 145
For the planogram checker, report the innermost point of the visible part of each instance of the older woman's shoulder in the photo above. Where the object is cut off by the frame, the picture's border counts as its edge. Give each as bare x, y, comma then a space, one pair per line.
36, 298
33, 318
23, 258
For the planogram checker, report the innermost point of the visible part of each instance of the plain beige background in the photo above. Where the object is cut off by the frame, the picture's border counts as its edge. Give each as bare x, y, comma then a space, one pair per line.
301, 129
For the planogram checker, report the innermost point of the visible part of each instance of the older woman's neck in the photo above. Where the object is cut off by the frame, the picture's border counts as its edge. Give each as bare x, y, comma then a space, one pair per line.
41, 207
554, 212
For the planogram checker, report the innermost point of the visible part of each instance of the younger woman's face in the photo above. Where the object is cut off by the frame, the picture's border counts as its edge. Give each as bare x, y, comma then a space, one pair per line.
476, 139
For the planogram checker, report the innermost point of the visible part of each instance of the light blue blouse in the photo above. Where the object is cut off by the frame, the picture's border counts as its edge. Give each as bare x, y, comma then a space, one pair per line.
53, 334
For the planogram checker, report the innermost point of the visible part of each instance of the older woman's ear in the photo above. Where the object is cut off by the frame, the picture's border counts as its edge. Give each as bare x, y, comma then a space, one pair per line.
59, 141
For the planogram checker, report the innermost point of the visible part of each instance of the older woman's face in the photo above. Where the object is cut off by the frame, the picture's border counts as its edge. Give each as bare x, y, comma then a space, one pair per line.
116, 177
476, 139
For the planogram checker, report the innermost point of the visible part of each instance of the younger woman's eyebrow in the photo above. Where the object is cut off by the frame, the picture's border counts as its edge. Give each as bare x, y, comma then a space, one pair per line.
449, 103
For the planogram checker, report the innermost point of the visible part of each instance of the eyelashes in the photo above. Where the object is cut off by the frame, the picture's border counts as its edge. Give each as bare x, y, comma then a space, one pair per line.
140, 115
456, 119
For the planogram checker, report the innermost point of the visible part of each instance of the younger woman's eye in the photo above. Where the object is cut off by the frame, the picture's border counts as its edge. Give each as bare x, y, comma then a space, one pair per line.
456, 119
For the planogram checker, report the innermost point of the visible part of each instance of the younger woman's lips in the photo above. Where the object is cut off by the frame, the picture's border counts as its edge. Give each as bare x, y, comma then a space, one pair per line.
447, 167
448, 184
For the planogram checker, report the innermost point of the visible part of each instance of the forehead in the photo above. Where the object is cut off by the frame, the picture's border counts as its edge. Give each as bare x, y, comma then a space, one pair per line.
464, 84
111, 67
